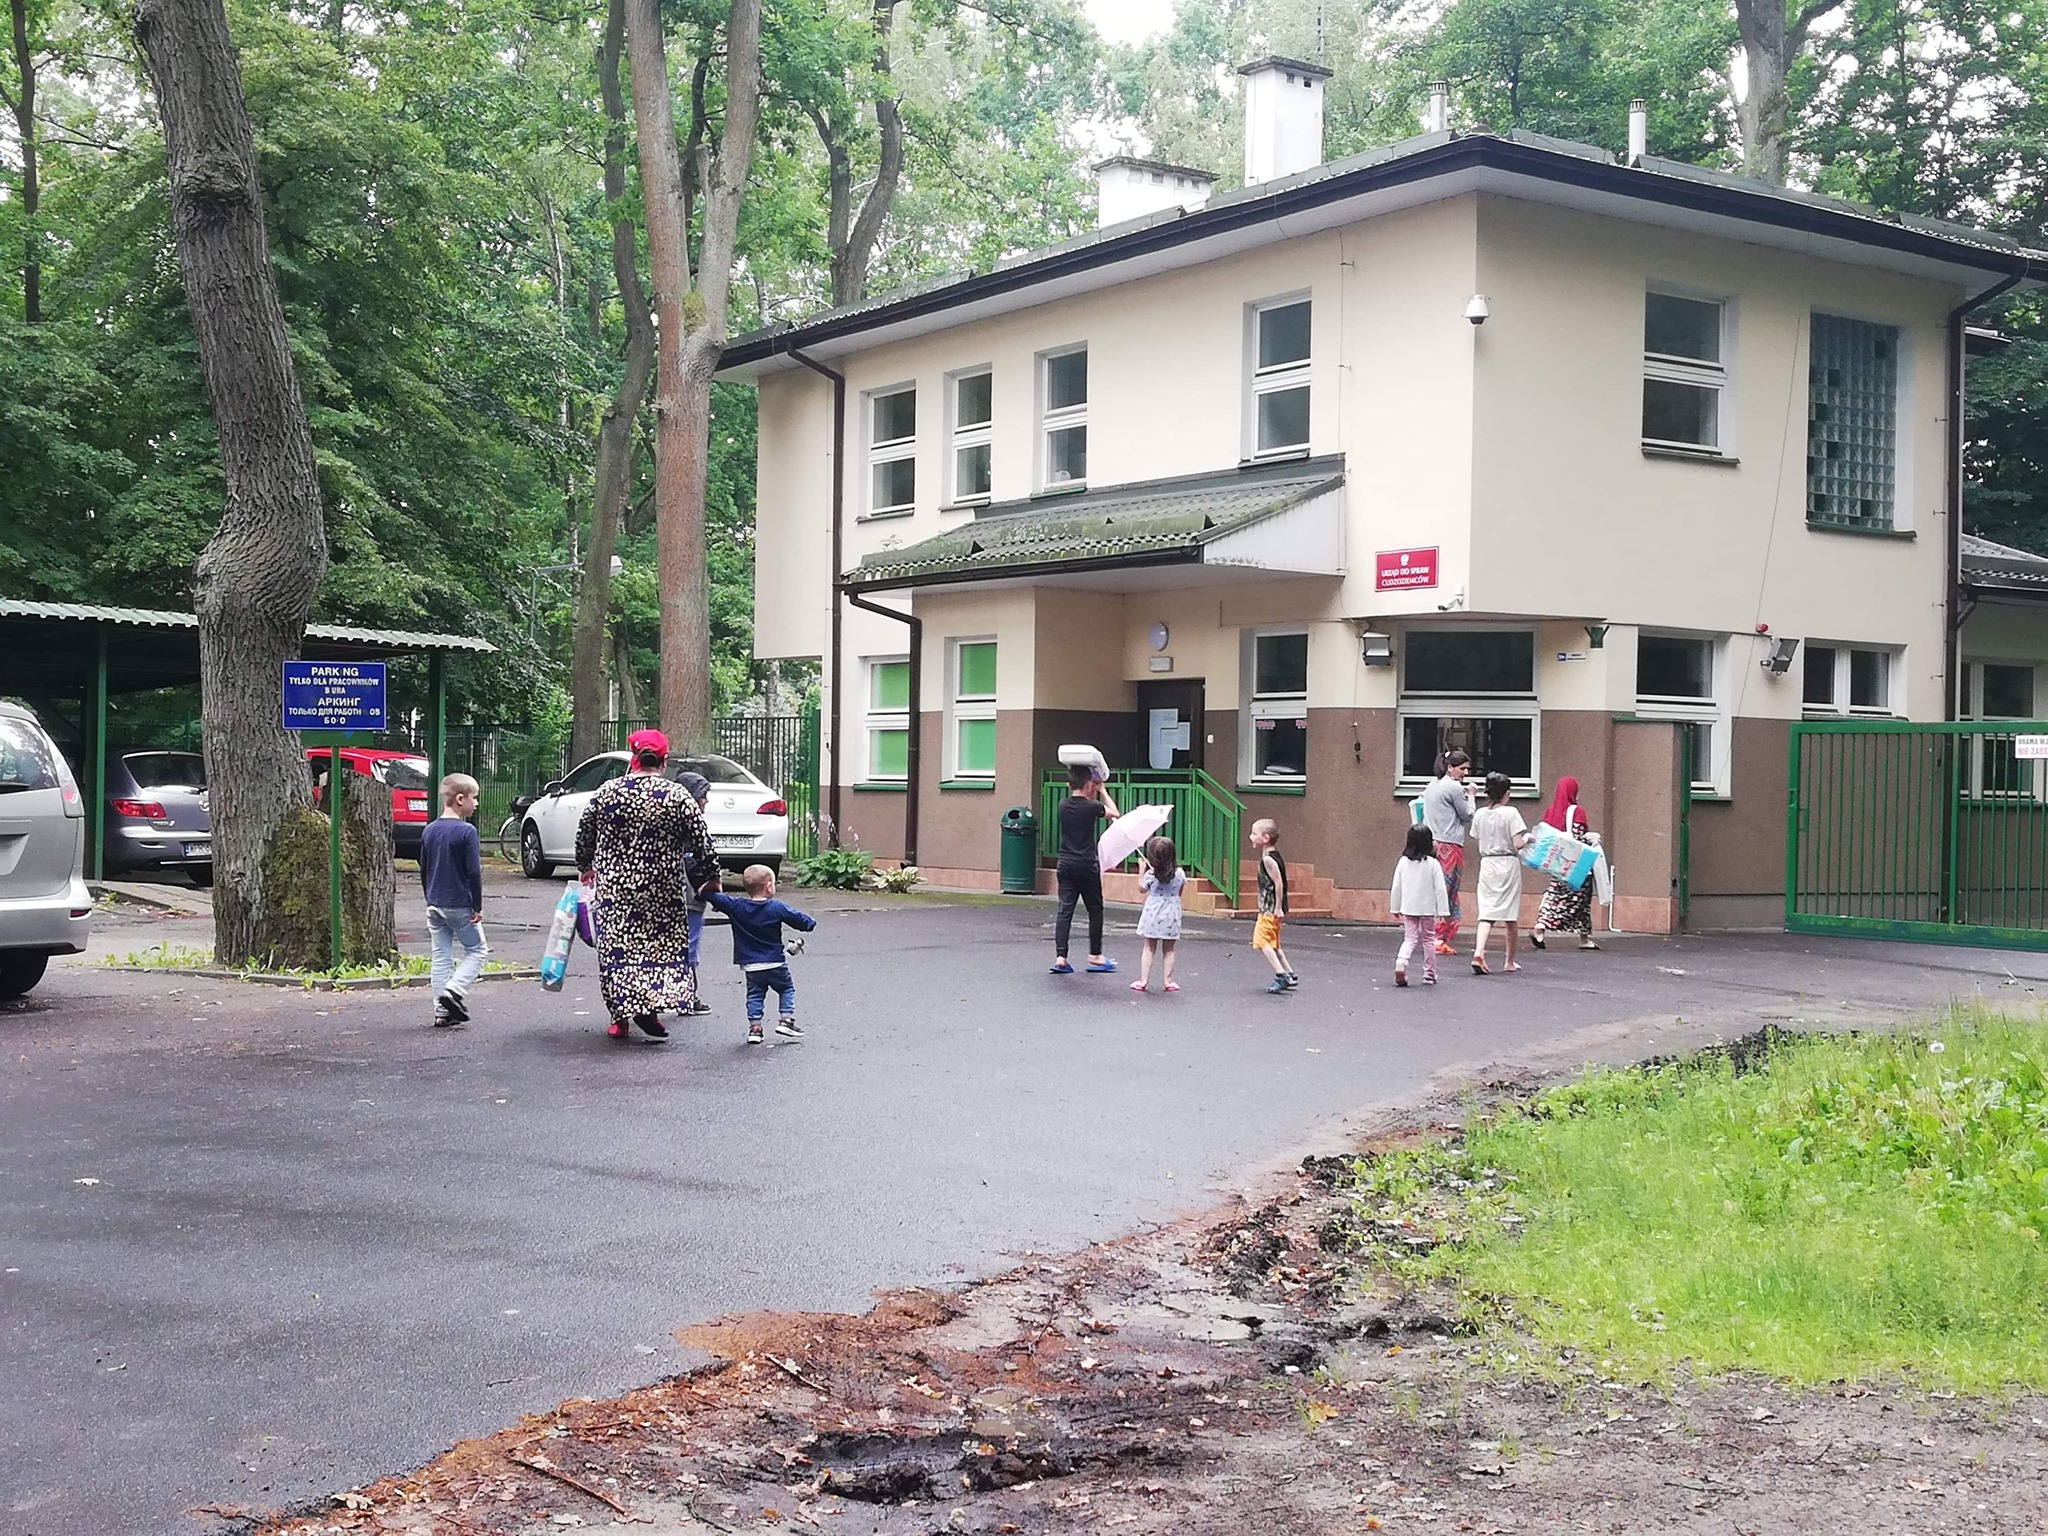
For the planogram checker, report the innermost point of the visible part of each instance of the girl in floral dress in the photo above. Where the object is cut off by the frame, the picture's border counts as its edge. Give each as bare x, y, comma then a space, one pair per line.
1159, 924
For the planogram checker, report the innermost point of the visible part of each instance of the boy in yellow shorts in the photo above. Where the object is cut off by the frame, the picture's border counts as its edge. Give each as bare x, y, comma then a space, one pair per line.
1265, 839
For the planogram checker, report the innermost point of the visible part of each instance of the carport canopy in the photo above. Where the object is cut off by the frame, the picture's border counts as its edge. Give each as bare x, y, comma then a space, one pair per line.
79, 654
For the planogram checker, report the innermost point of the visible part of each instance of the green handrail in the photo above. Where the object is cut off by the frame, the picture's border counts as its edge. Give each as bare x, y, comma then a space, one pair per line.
1205, 825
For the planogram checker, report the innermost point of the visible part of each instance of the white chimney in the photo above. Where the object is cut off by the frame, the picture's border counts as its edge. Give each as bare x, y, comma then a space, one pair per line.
1129, 188
1638, 130
1283, 118
1438, 118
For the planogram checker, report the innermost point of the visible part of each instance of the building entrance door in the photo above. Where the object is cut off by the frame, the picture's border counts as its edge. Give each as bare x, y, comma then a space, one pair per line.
1170, 723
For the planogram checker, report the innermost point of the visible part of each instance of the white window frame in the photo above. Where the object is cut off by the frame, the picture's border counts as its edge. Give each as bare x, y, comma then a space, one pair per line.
1695, 373
1281, 378
961, 707
1052, 422
891, 451
1711, 711
1839, 706
962, 436
1467, 706
2032, 783
1269, 706
877, 718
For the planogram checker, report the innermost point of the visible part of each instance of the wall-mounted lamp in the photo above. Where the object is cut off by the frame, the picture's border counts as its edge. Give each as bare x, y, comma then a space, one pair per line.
1779, 660
1376, 649
1596, 637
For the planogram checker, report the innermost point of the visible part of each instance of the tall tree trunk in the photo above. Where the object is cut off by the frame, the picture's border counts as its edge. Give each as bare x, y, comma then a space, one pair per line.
257, 576
622, 669
615, 430
24, 103
852, 236
1771, 41
691, 320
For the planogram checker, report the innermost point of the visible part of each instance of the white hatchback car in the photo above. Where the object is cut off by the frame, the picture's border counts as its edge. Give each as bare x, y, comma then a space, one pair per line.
749, 821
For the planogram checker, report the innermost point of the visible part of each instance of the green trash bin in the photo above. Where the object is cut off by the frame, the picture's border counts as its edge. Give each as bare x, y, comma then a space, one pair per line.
1020, 851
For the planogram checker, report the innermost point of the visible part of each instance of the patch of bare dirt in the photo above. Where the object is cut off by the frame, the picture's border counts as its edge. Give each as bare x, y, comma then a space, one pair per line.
1216, 1378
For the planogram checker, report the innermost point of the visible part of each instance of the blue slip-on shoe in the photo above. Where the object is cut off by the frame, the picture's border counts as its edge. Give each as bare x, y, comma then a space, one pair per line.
1061, 968
1279, 985
1106, 966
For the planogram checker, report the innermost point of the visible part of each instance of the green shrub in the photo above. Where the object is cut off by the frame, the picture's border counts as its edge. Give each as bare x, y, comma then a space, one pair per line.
839, 869
898, 881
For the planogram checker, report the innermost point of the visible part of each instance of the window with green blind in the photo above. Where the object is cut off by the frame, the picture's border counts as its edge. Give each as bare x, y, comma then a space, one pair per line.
888, 719
973, 709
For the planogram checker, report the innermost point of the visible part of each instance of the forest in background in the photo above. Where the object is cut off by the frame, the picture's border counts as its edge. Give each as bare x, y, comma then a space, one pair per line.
434, 183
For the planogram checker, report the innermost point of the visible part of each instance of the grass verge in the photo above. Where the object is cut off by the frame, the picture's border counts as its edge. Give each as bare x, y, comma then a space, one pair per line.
187, 957
1838, 1208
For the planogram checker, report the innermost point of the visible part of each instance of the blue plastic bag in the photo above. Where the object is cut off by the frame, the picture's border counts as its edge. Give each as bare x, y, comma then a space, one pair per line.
554, 957
1561, 857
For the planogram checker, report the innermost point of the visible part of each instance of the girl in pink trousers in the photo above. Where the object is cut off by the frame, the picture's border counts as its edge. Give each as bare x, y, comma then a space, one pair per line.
1419, 898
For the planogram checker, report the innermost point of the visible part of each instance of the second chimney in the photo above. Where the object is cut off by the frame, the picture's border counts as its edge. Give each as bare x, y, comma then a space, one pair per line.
1130, 188
1283, 118
1638, 130
1437, 119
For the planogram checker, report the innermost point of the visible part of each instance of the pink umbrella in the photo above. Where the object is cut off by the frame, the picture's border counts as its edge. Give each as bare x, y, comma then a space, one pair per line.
1129, 832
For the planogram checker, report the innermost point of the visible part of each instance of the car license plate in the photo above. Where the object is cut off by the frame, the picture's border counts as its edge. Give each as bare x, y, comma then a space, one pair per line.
733, 842
418, 803
199, 850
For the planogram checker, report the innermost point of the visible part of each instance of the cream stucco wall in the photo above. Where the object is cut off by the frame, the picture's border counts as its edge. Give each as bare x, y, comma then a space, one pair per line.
1570, 516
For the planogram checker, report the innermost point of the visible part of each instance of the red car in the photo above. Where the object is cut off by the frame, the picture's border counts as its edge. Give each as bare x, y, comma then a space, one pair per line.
405, 773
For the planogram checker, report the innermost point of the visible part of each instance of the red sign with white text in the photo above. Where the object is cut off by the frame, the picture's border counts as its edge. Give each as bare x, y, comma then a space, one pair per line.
1399, 570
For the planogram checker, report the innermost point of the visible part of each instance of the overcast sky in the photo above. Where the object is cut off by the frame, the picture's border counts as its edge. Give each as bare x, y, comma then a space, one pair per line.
1130, 21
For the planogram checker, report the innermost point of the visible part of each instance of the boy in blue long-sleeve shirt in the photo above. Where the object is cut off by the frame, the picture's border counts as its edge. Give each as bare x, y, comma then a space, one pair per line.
757, 923
451, 870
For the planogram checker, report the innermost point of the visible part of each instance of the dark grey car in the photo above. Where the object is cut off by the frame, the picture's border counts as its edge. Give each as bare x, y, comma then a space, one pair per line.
156, 814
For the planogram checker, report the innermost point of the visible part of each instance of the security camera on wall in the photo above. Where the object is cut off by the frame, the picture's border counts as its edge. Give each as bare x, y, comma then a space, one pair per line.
1477, 309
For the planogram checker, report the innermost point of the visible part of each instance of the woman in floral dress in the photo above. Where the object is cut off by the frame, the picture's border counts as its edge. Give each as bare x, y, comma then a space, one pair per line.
1565, 910
641, 840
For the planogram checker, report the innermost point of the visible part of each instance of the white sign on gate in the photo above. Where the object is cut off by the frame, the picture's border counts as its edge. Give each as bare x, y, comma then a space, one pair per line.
2030, 747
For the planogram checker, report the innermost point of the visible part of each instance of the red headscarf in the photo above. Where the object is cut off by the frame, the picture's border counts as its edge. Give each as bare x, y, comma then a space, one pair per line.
1562, 804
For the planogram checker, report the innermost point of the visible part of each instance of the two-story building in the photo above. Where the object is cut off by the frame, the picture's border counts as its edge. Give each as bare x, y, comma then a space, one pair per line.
1591, 465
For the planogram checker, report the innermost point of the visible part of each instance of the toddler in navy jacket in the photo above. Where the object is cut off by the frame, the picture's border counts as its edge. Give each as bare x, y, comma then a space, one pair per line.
757, 923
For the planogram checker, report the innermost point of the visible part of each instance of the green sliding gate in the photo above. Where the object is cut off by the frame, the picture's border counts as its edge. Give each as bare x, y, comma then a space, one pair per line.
1204, 824
1904, 831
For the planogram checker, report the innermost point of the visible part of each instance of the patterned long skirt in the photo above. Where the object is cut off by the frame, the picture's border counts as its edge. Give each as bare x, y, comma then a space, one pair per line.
643, 941
1452, 857
1565, 910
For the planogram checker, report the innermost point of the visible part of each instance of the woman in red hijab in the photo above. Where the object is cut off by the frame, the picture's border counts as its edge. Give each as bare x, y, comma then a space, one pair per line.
1565, 910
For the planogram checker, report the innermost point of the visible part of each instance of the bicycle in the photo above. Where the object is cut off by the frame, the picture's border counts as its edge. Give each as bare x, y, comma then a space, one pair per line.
508, 832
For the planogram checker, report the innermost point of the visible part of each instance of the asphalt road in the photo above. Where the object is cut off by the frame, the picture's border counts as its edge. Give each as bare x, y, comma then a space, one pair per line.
257, 1247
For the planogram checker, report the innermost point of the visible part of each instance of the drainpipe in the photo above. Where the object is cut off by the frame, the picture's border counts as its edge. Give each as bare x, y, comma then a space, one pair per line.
838, 541
1952, 649
914, 738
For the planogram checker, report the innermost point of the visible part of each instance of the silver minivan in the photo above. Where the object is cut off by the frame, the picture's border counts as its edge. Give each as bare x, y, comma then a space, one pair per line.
45, 908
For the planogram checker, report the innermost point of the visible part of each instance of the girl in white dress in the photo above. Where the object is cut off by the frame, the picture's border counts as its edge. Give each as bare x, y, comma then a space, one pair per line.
1497, 838
1159, 924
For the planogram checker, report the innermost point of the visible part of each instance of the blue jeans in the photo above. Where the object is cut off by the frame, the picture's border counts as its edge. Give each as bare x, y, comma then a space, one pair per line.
446, 928
761, 983
693, 926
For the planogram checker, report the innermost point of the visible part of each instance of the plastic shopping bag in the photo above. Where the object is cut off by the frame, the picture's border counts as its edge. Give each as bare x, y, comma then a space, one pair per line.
554, 958
586, 914
1562, 858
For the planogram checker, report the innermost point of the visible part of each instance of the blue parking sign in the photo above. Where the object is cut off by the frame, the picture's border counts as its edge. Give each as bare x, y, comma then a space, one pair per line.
334, 695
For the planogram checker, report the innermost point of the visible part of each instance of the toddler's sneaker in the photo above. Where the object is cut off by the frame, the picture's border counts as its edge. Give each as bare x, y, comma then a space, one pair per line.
754, 1034
457, 1009
1279, 984
698, 1009
789, 1029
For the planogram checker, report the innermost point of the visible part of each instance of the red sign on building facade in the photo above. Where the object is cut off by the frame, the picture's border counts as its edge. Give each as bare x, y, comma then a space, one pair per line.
1400, 570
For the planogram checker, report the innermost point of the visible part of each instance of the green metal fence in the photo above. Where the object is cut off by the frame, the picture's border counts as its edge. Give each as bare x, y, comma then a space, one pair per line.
1909, 831
1204, 825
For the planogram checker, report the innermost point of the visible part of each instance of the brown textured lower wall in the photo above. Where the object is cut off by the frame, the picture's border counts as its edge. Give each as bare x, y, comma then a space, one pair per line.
958, 827
1738, 844
874, 820
1642, 830
1348, 823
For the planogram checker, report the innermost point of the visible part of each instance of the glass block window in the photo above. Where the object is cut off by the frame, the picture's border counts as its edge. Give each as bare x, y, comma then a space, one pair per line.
1852, 423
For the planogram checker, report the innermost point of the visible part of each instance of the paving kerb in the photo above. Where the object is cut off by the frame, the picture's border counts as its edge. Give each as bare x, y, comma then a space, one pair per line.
326, 1241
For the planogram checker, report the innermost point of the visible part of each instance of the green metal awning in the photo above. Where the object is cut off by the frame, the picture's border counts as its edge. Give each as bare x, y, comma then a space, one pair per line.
66, 659
1280, 519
